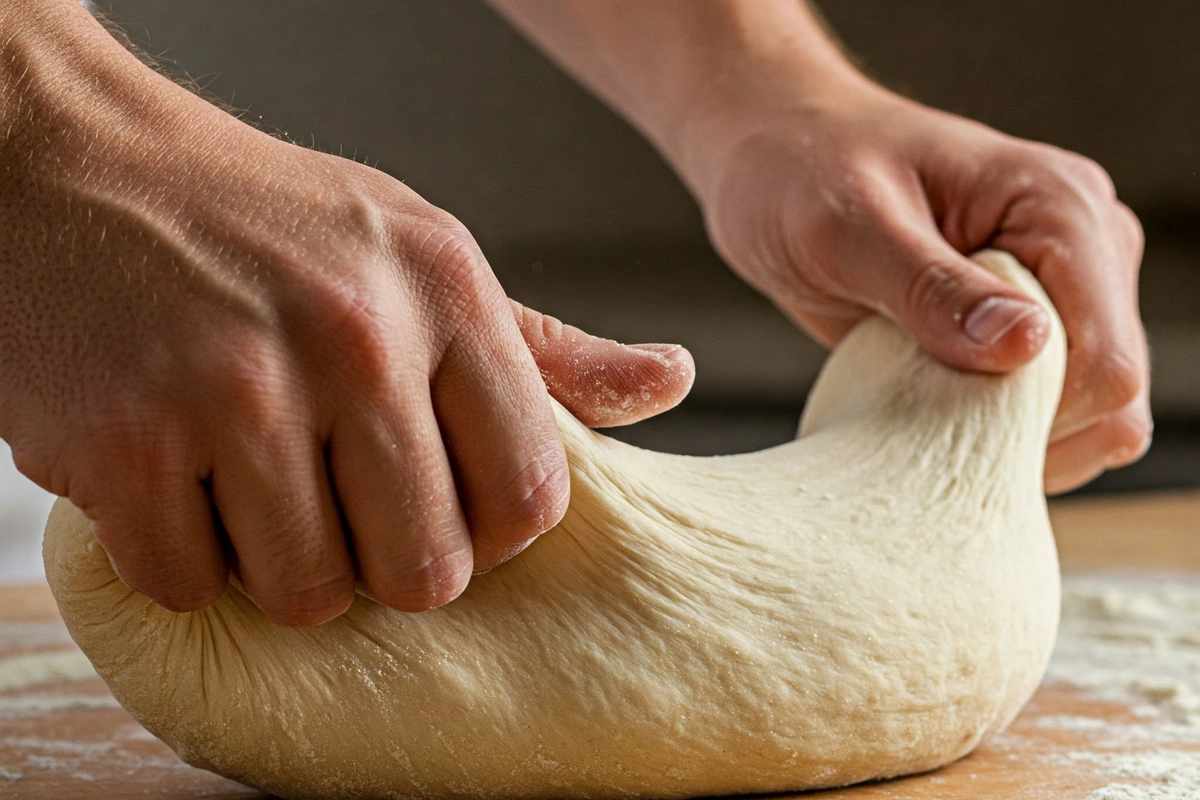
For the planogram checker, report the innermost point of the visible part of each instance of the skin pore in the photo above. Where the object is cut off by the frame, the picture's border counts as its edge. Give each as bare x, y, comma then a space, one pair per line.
230, 351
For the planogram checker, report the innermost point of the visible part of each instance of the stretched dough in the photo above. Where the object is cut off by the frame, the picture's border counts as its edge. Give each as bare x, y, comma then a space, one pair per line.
868, 601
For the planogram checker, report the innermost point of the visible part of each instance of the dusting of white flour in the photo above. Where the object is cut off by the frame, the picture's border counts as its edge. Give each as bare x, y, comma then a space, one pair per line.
1134, 641
1130, 641
19, 672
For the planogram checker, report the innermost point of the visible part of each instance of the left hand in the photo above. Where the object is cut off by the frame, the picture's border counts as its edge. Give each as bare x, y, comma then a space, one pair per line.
863, 202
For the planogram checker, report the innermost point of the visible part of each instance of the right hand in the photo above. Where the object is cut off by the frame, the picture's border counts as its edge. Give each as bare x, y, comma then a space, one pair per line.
841, 205
204, 328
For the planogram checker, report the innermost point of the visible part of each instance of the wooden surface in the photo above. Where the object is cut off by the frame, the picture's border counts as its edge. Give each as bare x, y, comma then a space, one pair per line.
67, 738
1144, 533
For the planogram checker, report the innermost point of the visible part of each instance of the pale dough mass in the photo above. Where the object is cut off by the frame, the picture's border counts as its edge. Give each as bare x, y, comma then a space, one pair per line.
871, 600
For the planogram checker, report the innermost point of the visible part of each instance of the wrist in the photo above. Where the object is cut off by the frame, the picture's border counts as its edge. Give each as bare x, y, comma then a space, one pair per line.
744, 68
794, 91
69, 91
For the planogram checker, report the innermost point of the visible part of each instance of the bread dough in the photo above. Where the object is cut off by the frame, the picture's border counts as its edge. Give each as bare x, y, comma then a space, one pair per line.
868, 601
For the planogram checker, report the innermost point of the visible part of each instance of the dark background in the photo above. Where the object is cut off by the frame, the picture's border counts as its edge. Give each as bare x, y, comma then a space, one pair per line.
580, 218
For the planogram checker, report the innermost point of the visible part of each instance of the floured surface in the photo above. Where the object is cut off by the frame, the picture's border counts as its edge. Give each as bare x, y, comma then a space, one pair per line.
1104, 739
1135, 640
1130, 645
61, 732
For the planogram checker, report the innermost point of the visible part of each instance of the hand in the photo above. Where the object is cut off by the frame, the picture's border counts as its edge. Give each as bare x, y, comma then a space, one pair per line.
202, 326
857, 201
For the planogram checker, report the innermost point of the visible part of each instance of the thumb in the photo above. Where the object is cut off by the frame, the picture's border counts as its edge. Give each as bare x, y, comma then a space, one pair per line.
604, 383
957, 310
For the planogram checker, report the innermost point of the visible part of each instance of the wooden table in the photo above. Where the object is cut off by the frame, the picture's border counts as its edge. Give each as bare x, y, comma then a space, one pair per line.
68, 738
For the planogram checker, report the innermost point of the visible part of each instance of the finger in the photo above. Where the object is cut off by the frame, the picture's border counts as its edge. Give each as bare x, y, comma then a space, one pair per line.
604, 383
958, 311
162, 541
1115, 441
1088, 263
500, 428
273, 495
397, 493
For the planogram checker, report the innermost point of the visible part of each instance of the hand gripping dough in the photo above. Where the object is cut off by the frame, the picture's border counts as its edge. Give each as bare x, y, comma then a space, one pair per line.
870, 600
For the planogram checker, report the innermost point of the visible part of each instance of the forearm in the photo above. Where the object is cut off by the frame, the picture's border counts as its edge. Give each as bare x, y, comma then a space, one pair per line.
67, 86
678, 69
81, 118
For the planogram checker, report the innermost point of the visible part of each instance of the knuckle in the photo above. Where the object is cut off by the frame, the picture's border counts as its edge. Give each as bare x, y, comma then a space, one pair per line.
536, 499
453, 232
298, 548
1092, 177
1017, 168
1117, 382
452, 287
293, 567
1137, 234
308, 603
165, 576
286, 530
364, 332
459, 269
252, 387
431, 583
932, 287
142, 443
1131, 431
48, 473
183, 597
861, 199
1053, 176
452, 249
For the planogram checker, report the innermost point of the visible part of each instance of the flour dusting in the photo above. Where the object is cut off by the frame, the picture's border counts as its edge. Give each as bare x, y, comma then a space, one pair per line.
23, 671
1136, 642
33, 705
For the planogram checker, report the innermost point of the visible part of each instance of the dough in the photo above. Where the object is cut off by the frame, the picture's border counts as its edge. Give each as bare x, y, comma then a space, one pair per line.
871, 600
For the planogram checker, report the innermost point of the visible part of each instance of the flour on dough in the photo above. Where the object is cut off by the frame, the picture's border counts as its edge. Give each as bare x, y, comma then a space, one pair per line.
871, 600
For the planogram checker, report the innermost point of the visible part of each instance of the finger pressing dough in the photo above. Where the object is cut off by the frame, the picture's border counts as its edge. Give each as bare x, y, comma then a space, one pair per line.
871, 600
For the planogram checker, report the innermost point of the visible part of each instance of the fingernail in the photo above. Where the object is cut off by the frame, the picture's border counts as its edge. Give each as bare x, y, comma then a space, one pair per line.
673, 356
658, 349
993, 317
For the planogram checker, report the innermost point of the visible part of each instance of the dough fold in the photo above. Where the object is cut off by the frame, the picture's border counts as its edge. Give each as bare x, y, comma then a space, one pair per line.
871, 600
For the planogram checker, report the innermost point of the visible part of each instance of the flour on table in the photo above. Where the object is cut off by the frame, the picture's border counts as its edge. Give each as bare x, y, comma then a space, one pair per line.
19, 672
1135, 641
33, 705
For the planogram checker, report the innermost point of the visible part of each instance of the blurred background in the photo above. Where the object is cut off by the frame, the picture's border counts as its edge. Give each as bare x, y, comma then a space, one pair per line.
581, 219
